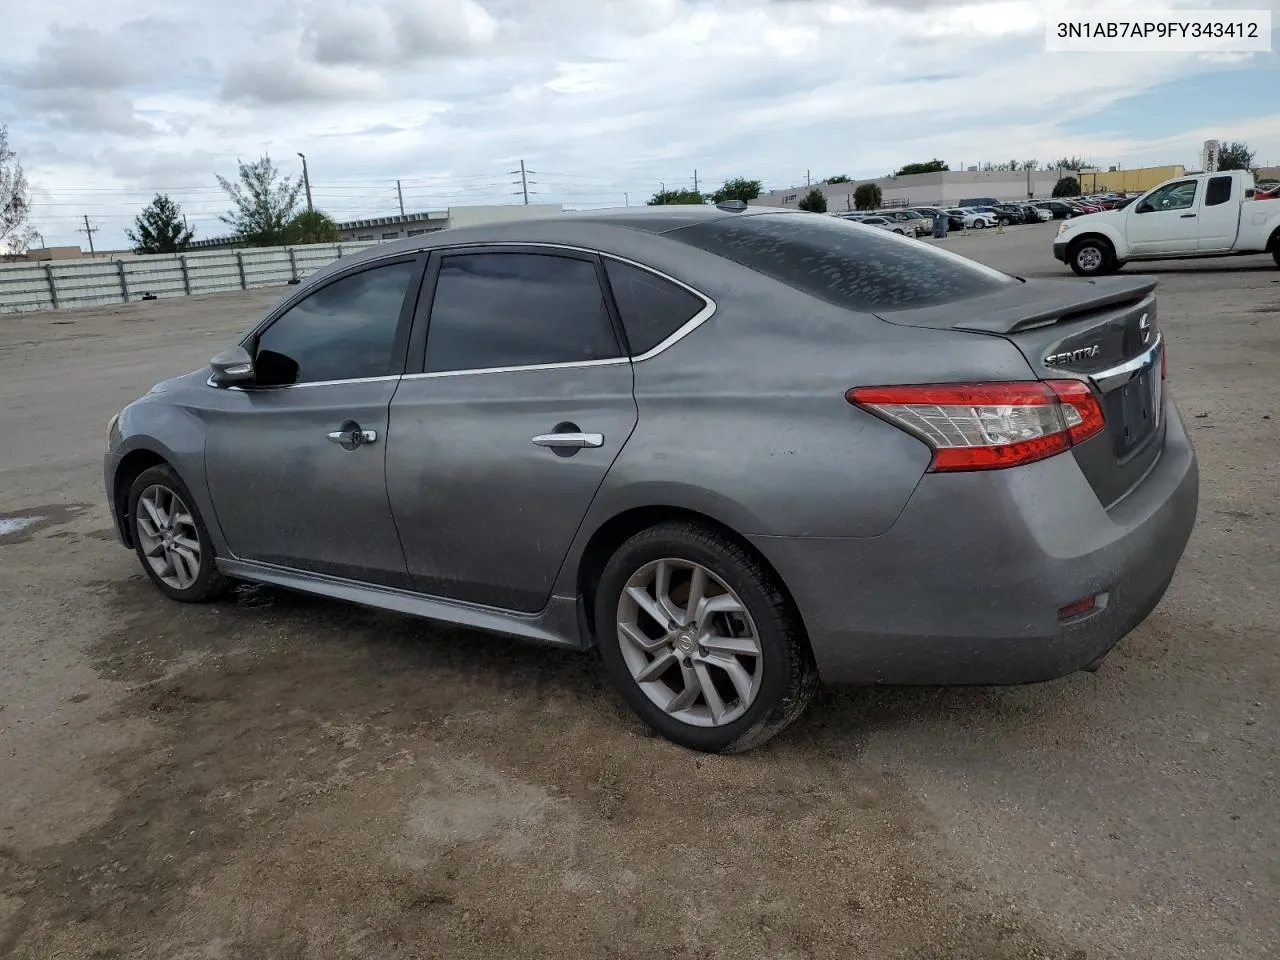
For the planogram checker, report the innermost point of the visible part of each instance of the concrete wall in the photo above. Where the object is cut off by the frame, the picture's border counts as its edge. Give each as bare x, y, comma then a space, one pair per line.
61, 284
478, 215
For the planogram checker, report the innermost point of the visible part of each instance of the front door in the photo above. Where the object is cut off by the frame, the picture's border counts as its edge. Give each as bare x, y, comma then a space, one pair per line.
498, 448
1163, 223
296, 462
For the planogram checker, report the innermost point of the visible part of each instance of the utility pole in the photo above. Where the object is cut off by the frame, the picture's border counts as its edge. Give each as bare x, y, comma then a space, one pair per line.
695, 181
400, 194
524, 183
626, 199
306, 181
808, 180
89, 232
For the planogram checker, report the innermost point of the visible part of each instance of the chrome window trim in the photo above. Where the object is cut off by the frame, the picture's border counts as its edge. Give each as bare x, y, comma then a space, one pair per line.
310, 383
697, 320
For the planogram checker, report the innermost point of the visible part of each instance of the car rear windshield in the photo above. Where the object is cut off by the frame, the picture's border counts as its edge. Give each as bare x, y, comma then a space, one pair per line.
857, 267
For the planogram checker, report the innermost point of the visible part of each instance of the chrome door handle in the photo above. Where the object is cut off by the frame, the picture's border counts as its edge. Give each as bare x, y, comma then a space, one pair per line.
575, 440
352, 437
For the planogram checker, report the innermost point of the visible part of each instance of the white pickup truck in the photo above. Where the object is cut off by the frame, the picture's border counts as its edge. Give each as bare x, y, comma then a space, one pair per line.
1203, 215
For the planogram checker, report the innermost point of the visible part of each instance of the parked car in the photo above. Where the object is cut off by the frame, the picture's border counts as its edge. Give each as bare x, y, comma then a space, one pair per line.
954, 222
972, 219
571, 430
1013, 211
1060, 209
1270, 193
902, 227
1036, 214
920, 224
978, 202
1206, 215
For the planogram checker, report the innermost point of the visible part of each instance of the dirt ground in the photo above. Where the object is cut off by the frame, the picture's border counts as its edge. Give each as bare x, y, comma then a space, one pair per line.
276, 776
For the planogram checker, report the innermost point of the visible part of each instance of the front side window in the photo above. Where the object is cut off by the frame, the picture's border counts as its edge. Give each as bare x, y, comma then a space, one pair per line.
344, 331
843, 263
1174, 196
517, 310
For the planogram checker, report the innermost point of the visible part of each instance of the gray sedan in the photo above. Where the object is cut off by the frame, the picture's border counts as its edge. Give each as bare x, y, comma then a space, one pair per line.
736, 450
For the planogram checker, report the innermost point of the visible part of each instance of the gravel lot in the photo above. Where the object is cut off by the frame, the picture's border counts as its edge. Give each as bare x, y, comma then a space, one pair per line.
276, 776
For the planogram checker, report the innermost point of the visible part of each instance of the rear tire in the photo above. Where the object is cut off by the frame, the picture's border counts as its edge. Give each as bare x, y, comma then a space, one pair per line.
1091, 257
1275, 253
722, 678
171, 539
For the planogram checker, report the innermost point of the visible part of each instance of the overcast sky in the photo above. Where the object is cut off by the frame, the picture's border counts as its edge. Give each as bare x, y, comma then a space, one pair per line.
110, 101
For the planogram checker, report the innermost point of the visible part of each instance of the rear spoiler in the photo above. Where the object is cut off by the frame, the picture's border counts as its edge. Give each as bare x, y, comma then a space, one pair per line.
1021, 306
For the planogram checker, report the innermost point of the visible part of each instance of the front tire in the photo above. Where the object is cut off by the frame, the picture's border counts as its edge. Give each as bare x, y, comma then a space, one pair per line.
1275, 253
699, 639
1092, 258
979, 225
170, 537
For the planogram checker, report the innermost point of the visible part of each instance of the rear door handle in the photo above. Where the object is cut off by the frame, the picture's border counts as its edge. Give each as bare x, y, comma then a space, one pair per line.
1188, 216
574, 440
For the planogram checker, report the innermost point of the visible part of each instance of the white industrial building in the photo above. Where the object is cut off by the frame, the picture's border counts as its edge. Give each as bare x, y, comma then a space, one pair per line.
945, 189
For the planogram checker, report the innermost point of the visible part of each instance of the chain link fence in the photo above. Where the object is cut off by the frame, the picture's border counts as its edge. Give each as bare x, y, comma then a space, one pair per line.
67, 284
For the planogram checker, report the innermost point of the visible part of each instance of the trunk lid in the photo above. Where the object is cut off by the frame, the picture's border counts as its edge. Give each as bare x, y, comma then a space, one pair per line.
1103, 332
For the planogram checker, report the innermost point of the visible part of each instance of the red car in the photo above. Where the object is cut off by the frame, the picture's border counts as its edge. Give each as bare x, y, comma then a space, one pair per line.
1271, 193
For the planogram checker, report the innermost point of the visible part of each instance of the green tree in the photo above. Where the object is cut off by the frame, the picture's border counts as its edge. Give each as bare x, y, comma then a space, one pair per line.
838, 178
815, 201
1235, 156
867, 197
739, 188
159, 228
1071, 163
663, 197
1067, 187
929, 166
264, 202
15, 201
312, 226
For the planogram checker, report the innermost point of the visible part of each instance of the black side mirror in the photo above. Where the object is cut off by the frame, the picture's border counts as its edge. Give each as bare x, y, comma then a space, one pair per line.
232, 366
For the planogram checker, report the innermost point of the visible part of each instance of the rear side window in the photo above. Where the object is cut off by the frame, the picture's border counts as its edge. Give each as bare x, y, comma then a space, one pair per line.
652, 308
858, 267
517, 310
1218, 192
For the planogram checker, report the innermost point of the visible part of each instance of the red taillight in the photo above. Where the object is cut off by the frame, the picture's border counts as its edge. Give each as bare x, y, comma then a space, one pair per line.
988, 426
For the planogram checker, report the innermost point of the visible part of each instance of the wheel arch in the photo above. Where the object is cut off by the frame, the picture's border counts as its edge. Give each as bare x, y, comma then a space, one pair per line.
615, 531
1074, 243
130, 467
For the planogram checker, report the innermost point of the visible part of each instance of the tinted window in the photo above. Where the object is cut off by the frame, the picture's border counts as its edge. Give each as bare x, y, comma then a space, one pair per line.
516, 310
852, 266
343, 331
1218, 191
652, 309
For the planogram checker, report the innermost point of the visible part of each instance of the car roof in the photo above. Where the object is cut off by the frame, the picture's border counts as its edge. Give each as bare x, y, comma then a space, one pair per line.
622, 231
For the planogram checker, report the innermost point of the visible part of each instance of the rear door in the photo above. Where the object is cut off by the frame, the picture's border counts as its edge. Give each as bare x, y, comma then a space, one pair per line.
522, 400
1219, 215
1164, 223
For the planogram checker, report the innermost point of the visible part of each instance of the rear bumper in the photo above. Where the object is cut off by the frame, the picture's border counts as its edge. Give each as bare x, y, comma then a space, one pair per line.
966, 586
1060, 252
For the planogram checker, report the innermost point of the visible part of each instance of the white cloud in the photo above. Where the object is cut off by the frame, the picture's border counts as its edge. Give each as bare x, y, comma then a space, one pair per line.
119, 98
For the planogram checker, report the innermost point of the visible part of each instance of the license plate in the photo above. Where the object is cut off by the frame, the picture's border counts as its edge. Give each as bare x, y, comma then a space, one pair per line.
1139, 404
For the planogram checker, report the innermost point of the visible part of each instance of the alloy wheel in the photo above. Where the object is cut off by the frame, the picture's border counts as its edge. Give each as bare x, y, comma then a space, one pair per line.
689, 642
168, 536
